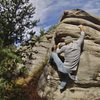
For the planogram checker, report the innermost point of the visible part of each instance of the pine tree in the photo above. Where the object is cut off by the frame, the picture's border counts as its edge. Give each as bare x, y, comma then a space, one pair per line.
16, 17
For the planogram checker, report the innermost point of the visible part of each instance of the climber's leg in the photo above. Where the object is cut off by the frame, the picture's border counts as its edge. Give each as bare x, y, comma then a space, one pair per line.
64, 82
63, 72
59, 63
62, 85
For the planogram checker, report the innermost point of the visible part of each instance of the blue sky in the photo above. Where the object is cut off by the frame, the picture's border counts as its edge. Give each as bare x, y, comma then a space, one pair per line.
50, 11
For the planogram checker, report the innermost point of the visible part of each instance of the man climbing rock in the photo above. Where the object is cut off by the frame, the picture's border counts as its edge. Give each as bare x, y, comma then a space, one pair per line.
72, 51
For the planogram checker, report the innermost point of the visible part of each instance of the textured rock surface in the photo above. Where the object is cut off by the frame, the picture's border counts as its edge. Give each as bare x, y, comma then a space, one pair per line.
88, 85
34, 58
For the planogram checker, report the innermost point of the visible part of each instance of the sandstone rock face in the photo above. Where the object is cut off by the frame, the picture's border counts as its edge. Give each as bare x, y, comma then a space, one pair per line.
88, 85
34, 58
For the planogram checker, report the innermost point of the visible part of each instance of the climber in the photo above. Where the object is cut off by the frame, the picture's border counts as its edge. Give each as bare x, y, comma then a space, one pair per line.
72, 52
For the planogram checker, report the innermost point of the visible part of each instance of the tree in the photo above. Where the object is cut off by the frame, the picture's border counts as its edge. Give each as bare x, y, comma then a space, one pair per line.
42, 32
15, 19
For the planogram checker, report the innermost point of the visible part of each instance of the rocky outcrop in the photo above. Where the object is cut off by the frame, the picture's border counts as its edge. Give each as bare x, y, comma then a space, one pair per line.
42, 76
34, 56
88, 85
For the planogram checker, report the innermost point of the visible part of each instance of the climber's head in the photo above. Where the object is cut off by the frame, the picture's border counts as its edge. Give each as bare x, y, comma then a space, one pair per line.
68, 39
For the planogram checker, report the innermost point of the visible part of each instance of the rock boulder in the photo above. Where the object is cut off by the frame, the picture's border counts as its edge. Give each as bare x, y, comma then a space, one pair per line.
88, 85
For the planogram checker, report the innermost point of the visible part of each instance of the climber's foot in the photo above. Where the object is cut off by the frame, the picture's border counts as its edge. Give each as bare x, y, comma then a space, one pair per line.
61, 89
62, 86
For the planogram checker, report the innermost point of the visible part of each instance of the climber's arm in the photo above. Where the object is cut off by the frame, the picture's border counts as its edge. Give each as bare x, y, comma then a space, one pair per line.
60, 49
82, 36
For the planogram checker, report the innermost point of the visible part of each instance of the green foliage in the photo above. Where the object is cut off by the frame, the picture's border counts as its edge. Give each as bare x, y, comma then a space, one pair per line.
8, 63
52, 27
8, 72
15, 18
42, 32
10, 91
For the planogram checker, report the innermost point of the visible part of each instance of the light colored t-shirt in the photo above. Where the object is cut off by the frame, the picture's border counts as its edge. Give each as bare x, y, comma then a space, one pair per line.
72, 53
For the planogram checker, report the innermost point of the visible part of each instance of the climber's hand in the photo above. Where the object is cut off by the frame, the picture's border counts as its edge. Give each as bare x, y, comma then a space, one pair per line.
81, 27
59, 45
54, 48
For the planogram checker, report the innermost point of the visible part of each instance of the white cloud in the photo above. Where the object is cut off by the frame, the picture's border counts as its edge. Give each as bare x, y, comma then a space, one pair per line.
41, 8
37, 30
92, 6
46, 9
49, 11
